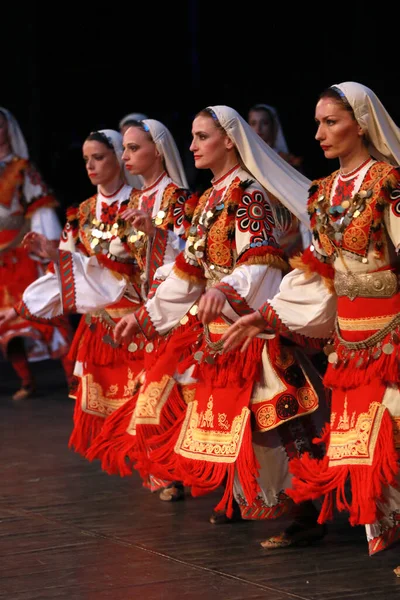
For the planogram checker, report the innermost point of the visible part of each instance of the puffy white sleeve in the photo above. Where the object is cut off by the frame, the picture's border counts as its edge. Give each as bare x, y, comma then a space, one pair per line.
79, 285
45, 221
305, 305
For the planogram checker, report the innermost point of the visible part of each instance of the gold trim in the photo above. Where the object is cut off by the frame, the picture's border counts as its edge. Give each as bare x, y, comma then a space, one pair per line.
218, 328
365, 323
211, 446
356, 445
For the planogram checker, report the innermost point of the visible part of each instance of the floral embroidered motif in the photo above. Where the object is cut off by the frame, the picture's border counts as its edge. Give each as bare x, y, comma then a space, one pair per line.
178, 212
287, 406
395, 198
109, 212
344, 191
255, 215
147, 203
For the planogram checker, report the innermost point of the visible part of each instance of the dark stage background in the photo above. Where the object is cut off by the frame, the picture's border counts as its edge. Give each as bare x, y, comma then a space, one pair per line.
70, 69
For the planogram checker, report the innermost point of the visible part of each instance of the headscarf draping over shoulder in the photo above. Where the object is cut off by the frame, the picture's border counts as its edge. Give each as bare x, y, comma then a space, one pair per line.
273, 172
136, 116
167, 147
280, 144
17, 140
382, 132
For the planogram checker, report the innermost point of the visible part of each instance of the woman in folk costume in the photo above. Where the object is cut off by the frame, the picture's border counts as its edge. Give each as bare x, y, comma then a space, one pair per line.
25, 205
105, 264
193, 422
347, 283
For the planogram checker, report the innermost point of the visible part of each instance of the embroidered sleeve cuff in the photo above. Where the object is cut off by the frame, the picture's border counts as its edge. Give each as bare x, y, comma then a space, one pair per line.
237, 303
67, 279
23, 311
274, 322
158, 248
145, 324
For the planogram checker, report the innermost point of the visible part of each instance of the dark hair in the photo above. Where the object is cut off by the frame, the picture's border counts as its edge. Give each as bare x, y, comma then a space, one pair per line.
208, 112
140, 125
99, 136
336, 94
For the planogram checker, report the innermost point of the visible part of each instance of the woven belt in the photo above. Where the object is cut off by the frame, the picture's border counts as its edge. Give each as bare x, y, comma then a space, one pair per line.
380, 284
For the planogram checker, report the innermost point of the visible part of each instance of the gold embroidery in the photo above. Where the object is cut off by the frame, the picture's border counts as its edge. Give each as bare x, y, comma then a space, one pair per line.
356, 445
150, 403
266, 416
364, 324
207, 418
218, 327
396, 431
355, 239
212, 446
112, 390
95, 401
188, 393
223, 421
307, 398
284, 358
130, 389
344, 420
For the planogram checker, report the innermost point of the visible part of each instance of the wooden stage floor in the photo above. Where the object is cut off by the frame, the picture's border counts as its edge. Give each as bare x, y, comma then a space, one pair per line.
70, 532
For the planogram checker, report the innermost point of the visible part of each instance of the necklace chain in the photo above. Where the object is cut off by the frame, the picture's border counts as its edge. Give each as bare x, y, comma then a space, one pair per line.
354, 171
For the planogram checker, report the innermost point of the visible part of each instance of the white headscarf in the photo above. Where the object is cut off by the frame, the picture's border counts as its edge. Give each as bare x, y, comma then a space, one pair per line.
132, 117
115, 138
373, 118
271, 171
16, 137
280, 144
166, 146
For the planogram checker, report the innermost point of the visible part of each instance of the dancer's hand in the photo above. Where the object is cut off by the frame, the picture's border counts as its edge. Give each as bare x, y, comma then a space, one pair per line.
211, 305
140, 220
39, 245
244, 329
126, 328
6, 316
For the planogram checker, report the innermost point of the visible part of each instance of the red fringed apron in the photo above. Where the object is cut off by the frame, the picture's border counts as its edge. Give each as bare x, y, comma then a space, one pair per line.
153, 410
360, 439
109, 374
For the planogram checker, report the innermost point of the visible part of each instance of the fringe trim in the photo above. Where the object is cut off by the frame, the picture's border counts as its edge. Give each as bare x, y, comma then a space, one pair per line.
184, 270
86, 428
88, 346
309, 264
266, 255
346, 375
315, 478
234, 367
47, 201
114, 445
117, 267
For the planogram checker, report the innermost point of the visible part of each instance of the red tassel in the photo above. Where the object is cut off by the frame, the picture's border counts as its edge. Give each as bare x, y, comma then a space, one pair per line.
113, 445
347, 376
314, 478
86, 428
